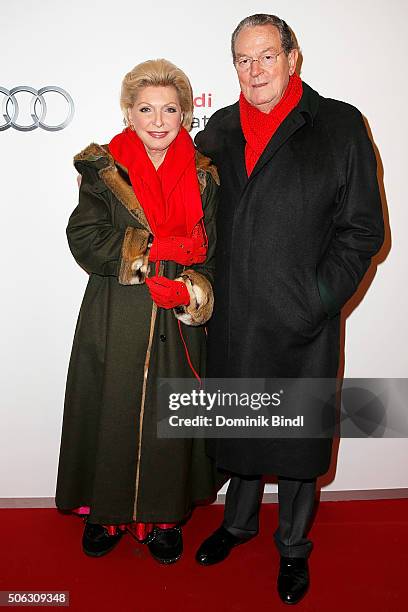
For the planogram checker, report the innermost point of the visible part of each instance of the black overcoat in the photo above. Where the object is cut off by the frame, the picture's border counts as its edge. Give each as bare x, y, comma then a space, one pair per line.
294, 241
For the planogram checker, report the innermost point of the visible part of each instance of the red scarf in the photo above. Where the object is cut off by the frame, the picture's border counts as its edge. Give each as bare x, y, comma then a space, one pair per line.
170, 196
259, 127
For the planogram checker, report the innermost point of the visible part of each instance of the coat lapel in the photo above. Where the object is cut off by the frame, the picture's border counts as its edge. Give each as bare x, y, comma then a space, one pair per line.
235, 143
288, 127
304, 112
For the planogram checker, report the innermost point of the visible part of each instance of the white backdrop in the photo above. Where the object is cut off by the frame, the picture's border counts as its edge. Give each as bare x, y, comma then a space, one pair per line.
353, 51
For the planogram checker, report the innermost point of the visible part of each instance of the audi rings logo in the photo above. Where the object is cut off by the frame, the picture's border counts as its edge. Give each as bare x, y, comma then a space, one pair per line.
37, 110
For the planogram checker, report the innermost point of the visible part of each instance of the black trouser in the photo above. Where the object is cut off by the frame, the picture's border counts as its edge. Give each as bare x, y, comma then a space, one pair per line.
296, 503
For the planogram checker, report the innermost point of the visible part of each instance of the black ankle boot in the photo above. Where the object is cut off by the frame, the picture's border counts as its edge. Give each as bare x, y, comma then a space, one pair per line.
166, 545
96, 540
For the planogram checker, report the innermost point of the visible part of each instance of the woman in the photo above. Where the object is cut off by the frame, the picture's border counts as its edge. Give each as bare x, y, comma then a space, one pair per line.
144, 230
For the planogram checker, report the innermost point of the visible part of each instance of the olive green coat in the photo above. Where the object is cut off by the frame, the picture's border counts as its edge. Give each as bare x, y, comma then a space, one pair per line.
111, 458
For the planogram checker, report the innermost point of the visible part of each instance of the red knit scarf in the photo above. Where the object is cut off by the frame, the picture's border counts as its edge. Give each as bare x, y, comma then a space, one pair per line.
259, 127
170, 196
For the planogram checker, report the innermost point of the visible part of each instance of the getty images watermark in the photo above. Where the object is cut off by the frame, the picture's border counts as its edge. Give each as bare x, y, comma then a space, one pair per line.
282, 408
208, 401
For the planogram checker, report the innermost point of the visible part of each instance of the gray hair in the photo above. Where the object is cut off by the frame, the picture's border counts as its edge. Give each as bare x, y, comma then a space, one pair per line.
288, 39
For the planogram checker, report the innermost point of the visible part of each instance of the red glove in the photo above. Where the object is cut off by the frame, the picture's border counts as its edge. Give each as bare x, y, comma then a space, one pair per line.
167, 293
184, 250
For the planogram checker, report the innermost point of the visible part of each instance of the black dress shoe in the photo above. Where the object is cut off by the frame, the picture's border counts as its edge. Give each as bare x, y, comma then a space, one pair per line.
218, 546
293, 579
166, 545
96, 540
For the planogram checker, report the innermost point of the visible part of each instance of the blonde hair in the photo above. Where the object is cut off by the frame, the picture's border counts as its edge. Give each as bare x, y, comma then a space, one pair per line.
157, 73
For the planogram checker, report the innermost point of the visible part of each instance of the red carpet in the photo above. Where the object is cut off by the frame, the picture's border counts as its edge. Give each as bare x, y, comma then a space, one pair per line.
360, 562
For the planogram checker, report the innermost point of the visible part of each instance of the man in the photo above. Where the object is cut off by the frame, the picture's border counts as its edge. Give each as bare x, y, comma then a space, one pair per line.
298, 223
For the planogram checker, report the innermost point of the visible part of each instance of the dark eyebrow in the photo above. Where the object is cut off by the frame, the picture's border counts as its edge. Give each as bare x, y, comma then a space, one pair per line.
263, 51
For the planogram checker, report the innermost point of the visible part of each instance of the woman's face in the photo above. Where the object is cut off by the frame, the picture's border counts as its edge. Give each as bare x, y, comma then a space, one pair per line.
156, 117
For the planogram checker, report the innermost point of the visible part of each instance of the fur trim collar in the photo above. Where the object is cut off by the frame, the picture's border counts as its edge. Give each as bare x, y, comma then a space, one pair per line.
108, 171
204, 165
107, 168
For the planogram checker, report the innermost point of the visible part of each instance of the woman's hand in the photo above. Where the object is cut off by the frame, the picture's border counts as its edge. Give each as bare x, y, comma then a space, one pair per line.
181, 249
167, 293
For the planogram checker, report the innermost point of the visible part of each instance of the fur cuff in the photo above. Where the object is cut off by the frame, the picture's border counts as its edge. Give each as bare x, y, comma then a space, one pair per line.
201, 299
135, 256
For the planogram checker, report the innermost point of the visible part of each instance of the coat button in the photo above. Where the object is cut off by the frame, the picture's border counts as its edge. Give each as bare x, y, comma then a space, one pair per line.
162, 337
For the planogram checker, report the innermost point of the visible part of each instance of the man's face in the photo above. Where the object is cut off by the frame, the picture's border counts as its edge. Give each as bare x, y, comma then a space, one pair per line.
263, 86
